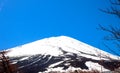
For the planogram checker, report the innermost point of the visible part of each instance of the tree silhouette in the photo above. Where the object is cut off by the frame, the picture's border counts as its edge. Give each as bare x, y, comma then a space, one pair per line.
6, 66
113, 29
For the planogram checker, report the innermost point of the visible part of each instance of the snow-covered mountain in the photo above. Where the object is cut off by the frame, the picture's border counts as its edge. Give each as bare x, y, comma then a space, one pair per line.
61, 54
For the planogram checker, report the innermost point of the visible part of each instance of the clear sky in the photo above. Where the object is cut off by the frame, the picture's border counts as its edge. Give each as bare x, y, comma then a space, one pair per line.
24, 21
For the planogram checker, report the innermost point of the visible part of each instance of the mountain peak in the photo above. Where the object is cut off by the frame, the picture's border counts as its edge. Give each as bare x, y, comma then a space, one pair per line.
52, 46
61, 52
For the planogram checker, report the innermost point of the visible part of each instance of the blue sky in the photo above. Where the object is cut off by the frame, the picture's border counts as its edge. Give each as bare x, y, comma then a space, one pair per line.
24, 21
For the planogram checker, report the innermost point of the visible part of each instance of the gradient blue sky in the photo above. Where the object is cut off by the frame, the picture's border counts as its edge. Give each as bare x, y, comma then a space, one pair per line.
23, 21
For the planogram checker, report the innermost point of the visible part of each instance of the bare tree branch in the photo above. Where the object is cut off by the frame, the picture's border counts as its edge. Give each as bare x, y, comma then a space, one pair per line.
116, 2
111, 50
113, 30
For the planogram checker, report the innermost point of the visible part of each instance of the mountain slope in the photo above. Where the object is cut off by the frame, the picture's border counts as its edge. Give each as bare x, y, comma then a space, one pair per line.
61, 53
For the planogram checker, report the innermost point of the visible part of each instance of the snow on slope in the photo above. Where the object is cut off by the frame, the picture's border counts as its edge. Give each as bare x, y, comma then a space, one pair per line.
53, 45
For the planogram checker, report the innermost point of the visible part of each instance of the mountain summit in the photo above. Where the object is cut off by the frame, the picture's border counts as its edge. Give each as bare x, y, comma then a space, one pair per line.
61, 54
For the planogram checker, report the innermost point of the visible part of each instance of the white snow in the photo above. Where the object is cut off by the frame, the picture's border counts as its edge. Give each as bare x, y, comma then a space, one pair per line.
24, 58
96, 66
52, 46
52, 65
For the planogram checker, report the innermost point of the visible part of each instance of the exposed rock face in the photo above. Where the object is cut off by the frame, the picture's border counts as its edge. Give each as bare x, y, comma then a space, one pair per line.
41, 63
110, 64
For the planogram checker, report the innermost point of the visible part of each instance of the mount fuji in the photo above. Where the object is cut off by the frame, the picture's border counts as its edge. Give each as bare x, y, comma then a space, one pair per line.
61, 53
